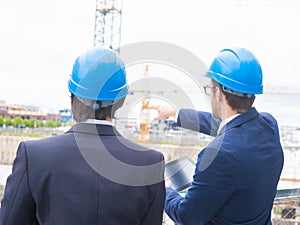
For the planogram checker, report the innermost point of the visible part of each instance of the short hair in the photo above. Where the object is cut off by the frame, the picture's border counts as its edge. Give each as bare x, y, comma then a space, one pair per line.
82, 112
236, 102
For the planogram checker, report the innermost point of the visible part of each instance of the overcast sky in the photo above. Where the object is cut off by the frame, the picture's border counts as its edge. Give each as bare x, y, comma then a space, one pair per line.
40, 39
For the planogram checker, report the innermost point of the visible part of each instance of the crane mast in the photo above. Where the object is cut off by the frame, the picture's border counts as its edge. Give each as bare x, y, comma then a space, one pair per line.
108, 20
107, 33
145, 113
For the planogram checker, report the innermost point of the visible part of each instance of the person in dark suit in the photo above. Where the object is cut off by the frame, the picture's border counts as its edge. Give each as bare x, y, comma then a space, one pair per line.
89, 175
236, 175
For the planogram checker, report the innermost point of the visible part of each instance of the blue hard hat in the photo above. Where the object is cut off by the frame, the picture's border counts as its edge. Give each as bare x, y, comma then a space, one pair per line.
99, 74
237, 69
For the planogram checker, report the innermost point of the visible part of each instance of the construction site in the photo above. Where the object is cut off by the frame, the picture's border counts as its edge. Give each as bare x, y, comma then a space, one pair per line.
162, 135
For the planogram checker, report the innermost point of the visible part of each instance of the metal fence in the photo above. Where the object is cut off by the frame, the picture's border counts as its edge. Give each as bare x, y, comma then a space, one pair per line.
286, 208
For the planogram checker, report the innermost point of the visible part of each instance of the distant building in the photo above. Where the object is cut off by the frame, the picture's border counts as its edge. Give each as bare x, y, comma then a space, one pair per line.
65, 115
26, 112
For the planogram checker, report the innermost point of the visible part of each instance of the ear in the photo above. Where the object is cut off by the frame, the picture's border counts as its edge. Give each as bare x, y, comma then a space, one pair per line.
219, 95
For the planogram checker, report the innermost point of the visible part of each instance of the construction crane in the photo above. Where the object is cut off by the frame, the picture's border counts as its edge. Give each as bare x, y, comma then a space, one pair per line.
108, 20
147, 95
144, 129
107, 33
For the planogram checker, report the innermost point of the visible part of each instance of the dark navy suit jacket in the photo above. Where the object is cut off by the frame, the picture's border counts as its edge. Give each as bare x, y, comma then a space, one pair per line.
89, 175
236, 175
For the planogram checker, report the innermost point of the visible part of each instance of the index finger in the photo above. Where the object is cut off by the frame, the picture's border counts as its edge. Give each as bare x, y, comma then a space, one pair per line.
153, 107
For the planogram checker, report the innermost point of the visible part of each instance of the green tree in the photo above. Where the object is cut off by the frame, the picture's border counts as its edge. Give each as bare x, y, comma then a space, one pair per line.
58, 124
1, 121
18, 121
26, 122
39, 123
50, 123
30, 122
8, 121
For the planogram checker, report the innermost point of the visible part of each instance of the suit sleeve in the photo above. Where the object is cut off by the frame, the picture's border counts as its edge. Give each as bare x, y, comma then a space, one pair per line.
17, 206
198, 121
155, 213
211, 187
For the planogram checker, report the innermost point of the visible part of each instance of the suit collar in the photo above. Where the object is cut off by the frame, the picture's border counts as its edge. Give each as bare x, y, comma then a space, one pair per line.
241, 119
227, 120
97, 129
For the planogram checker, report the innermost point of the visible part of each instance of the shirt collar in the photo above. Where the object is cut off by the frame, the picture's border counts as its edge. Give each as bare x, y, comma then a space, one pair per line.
100, 122
227, 120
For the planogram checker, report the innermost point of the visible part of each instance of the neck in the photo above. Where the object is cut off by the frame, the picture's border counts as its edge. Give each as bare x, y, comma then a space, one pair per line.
228, 112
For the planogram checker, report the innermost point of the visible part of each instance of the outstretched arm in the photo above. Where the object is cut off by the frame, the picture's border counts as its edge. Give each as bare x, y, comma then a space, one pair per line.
164, 112
199, 121
190, 119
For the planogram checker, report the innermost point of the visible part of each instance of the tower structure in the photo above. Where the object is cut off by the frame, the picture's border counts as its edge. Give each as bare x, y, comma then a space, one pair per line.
108, 20
145, 112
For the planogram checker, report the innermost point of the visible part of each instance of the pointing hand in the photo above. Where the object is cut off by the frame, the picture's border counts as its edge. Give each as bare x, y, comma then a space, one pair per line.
164, 112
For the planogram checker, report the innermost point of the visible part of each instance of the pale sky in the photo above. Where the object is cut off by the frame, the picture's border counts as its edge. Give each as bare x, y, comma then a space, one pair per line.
40, 39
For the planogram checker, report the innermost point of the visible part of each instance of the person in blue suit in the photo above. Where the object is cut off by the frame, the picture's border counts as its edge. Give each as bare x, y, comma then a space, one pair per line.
90, 174
236, 175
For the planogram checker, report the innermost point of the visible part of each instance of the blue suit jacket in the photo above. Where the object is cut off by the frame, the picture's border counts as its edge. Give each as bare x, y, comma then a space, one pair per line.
89, 175
236, 175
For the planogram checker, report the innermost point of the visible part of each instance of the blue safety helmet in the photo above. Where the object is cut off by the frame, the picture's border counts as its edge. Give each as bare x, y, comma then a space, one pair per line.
99, 75
238, 70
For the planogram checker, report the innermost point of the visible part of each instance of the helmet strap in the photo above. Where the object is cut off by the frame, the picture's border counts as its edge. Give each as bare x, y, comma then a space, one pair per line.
242, 95
95, 104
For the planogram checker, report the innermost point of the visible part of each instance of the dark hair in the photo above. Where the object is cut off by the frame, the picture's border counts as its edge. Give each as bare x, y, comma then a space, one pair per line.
237, 103
81, 112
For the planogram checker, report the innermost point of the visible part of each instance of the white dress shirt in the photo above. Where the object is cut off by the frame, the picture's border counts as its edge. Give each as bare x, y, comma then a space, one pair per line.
227, 120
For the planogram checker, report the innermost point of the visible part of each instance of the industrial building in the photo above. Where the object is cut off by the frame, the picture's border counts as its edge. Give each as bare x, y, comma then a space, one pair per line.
32, 112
